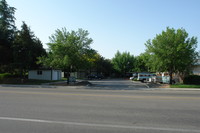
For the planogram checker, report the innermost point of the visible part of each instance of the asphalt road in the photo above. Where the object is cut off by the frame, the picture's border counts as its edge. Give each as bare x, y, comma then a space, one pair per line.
46, 109
117, 84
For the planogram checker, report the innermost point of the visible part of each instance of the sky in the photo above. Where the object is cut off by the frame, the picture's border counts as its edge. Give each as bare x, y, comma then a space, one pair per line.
123, 25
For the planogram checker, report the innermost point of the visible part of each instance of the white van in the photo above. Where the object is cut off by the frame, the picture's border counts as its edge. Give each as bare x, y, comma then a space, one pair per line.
144, 76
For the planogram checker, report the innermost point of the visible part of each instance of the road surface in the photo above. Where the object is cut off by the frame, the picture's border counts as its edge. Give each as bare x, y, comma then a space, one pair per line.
47, 109
117, 84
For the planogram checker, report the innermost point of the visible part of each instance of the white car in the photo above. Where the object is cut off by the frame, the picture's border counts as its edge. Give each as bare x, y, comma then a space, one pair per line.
131, 78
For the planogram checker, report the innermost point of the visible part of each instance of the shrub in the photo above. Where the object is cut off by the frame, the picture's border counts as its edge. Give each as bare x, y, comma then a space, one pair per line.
192, 79
4, 75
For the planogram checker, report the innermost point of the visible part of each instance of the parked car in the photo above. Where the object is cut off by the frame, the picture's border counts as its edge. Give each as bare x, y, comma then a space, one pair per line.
131, 78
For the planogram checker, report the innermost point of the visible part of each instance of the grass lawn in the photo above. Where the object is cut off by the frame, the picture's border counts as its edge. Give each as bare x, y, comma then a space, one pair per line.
184, 86
24, 82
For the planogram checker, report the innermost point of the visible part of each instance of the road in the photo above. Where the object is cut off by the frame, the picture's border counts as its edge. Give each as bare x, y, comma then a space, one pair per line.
47, 109
117, 84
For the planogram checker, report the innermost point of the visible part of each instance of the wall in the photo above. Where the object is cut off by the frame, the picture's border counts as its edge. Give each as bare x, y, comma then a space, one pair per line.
33, 74
196, 68
56, 75
45, 74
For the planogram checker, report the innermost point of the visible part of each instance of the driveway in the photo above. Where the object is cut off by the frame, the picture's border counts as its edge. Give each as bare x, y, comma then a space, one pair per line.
117, 84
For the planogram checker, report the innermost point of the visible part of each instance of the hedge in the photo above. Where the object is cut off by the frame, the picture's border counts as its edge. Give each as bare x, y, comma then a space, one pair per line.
192, 79
4, 75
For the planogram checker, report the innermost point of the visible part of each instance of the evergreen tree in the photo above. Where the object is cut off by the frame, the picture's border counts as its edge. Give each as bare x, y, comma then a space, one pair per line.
7, 31
26, 49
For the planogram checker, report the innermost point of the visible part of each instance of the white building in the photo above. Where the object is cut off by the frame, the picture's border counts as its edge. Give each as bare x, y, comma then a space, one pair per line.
196, 68
45, 74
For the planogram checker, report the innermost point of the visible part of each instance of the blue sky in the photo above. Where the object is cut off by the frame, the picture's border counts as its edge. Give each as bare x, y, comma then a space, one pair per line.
123, 25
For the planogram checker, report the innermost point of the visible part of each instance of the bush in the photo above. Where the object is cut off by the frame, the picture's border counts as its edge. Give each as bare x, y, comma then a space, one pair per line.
4, 75
192, 79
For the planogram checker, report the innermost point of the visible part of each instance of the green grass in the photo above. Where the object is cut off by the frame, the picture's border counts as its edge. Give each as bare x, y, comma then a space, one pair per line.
184, 86
25, 81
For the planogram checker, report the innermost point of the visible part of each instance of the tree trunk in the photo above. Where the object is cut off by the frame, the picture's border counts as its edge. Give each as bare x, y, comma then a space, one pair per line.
170, 78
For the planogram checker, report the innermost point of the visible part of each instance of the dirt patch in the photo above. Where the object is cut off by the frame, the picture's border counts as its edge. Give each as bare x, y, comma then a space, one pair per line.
158, 85
80, 83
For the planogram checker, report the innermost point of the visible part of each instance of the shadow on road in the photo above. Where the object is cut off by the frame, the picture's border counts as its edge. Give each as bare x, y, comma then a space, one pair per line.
106, 84
116, 84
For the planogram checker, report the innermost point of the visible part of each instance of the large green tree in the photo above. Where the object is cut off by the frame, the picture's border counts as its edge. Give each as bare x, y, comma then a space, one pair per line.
101, 65
172, 51
123, 62
142, 63
105, 66
7, 31
26, 49
68, 50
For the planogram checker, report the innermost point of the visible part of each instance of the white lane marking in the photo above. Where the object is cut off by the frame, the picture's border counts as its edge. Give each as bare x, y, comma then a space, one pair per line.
100, 125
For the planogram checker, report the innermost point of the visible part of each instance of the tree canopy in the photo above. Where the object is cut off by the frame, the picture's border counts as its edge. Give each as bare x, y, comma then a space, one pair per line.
68, 49
26, 49
123, 62
7, 31
142, 63
19, 49
172, 51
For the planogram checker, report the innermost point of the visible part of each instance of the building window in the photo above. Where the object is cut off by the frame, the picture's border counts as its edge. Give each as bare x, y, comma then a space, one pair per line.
39, 72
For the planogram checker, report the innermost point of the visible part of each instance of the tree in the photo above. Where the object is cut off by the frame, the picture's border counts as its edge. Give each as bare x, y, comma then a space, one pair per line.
93, 59
68, 50
172, 51
105, 66
7, 31
26, 49
123, 62
100, 64
142, 63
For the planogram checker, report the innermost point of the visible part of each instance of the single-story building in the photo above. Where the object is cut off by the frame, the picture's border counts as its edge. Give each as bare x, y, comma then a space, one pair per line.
45, 74
196, 68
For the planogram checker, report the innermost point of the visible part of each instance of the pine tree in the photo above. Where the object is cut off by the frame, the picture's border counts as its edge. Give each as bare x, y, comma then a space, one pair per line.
7, 32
